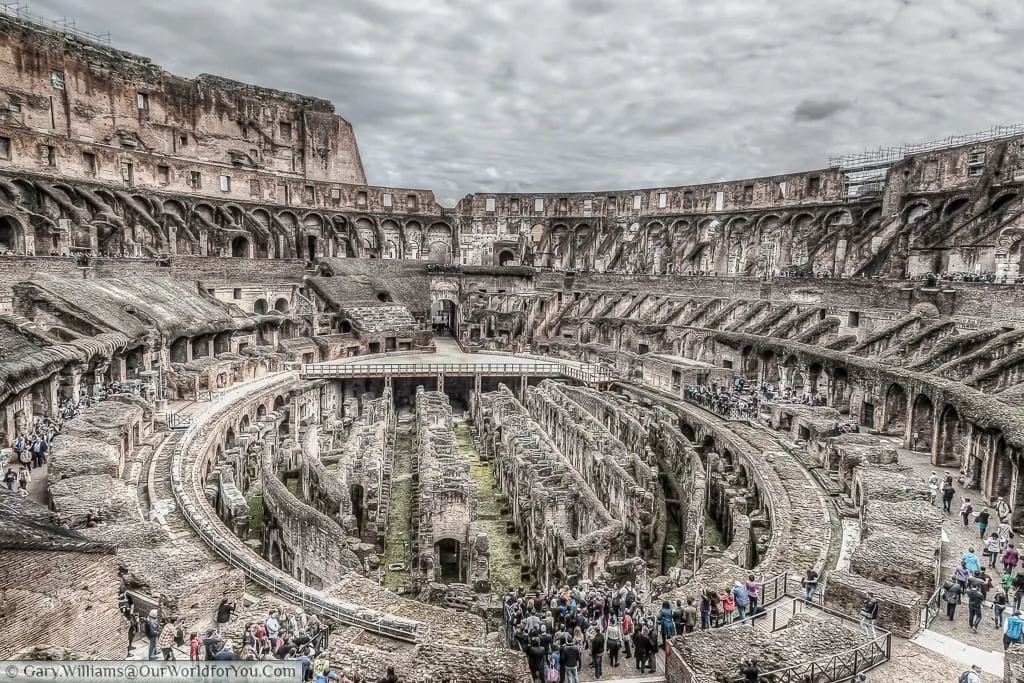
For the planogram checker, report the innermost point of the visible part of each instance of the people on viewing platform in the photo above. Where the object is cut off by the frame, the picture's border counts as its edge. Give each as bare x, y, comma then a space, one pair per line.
564, 629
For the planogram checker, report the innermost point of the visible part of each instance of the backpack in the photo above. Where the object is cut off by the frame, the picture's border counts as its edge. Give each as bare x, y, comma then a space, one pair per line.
964, 677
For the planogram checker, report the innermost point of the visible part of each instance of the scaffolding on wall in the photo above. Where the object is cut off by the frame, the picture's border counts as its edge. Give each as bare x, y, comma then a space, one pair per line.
886, 156
18, 11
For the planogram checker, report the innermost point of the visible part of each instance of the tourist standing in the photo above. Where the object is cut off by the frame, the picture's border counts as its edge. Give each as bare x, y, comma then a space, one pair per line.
569, 656
947, 493
597, 653
810, 584
153, 634
868, 614
741, 599
753, 592
166, 640
613, 637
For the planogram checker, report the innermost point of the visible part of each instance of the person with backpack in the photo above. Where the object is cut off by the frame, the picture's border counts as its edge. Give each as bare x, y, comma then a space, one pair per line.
1013, 631
152, 628
981, 519
952, 591
971, 676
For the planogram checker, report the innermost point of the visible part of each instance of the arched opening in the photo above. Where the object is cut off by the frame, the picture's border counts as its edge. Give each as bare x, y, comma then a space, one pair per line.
179, 350
838, 397
259, 307
447, 552
346, 327
687, 432
384, 297
444, 317
281, 305
1001, 202
895, 410
955, 206
311, 247
240, 247
506, 257
278, 403
440, 253
261, 412
921, 424
356, 496
9, 235
814, 373
948, 450
222, 343
229, 438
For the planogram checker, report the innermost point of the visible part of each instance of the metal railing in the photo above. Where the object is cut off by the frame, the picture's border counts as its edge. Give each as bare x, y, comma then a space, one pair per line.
587, 374
932, 608
204, 522
177, 420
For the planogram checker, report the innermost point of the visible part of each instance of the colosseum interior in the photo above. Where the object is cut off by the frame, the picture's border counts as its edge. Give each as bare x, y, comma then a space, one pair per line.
260, 378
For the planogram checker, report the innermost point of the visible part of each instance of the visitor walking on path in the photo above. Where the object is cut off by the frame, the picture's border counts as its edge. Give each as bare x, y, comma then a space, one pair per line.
965, 511
975, 598
998, 605
972, 676
992, 549
810, 584
947, 493
981, 519
1010, 558
952, 591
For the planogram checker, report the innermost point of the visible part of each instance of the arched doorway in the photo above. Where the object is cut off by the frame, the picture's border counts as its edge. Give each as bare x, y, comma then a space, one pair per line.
356, 497
948, 449
448, 565
838, 391
240, 247
10, 235
281, 305
922, 424
444, 317
506, 257
895, 410
440, 253
259, 307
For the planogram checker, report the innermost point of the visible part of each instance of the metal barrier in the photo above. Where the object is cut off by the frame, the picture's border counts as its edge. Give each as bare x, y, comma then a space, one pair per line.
586, 373
203, 520
177, 420
932, 608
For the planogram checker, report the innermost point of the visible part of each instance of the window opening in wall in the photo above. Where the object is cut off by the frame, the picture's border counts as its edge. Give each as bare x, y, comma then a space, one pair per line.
719, 200
688, 199
360, 198
142, 99
513, 205
637, 201
853, 319
867, 415
588, 207
388, 201
813, 185
282, 193
309, 194
195, 180
5, 149
89, 162
57, 79
538, 204
245, 132
336, 194
14, 105
254, 154
727, 364
163, 175
748, 194
254, 188
49, 155
286, 130
662, 200
563, 205
225, 183
211, 291
128, 173
236, 293
677, 380
782, 190
611, 205
976, 164
642, 349
411, 203
489, 205
183, 141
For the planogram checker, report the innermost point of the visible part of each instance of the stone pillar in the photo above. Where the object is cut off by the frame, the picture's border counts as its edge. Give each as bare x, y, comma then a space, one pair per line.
204, 241
440, 382
94, 239
523, 383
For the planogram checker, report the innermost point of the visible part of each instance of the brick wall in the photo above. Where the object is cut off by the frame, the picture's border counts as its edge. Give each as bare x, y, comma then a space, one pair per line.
899, 610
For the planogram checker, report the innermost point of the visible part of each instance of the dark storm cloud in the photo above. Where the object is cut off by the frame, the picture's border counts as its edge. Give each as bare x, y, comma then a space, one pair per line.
818, 110
471, 95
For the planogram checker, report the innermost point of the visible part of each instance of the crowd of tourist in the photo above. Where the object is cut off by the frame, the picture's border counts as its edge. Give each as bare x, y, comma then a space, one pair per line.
561, 630
731, 402
287, 635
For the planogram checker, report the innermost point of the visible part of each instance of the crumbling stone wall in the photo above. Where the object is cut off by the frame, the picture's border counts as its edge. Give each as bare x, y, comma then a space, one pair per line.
447, 501
568, 531
899, 609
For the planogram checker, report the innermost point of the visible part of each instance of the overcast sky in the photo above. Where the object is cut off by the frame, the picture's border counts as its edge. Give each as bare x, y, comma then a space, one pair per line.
460, 96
